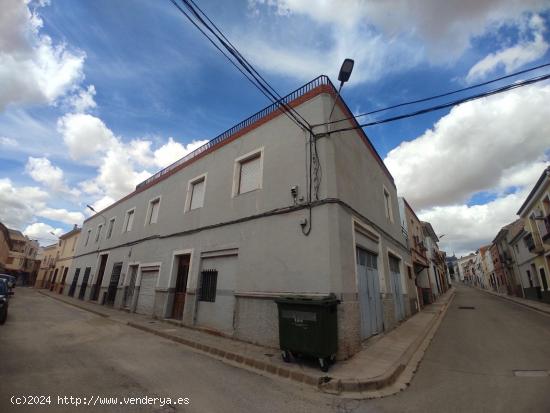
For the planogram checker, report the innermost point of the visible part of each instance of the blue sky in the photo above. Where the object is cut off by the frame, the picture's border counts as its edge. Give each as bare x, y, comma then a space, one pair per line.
104, 93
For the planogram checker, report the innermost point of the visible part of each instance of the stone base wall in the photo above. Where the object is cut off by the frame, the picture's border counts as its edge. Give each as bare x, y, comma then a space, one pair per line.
257, 321
388, 312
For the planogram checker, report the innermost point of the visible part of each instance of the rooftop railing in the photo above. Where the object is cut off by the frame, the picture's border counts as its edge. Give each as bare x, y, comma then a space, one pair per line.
319, 81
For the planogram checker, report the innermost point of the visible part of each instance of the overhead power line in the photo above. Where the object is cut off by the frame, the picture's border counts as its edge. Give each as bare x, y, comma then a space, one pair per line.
239, 61
443, 105
426, 99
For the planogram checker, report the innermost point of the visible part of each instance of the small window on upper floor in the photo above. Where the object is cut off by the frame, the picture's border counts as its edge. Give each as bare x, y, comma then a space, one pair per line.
153, 211
197, 188
129, 221
110, 228
88, 237
99, 228
249, 173
387, 205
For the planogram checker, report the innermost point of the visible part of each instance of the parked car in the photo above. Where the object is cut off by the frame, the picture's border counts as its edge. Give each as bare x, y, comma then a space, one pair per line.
10, 279
4, 300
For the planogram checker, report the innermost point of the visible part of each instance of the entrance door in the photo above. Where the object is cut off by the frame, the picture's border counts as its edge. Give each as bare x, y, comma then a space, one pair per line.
52, 285
369, 293
97, 285
63, 279
84, 285
129, 295
397, 288
146, 296
113, 284
181, 286
72, 289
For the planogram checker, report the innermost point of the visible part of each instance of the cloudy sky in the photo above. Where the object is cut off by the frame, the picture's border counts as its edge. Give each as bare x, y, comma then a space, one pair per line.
96, 96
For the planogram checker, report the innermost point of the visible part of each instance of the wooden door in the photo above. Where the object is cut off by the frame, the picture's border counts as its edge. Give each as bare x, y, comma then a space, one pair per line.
369, 293
181, 286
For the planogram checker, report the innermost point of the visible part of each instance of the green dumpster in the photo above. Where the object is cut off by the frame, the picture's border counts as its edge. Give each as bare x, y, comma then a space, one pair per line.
308, 326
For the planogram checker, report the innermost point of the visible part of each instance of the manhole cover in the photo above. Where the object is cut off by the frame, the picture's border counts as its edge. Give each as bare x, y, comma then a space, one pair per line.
466, 307
531, 373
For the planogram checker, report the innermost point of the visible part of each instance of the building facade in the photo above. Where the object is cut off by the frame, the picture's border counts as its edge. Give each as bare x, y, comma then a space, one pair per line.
5, 246
65, 251
21, 257
261, 211
47, 266
535, 212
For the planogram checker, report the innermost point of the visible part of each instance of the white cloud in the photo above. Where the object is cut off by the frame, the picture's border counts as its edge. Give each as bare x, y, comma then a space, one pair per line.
83, 99
17, 204
62, 215
466, 228
5, 141
85, 135
482, 145
380, 36
52, 177
41, 232
171, 151
512, 58
32, 68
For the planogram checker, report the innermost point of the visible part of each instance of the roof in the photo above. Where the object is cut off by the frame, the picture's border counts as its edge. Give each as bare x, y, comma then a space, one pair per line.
16, 235
545, 174
513, 226
70, 233
317, 86
430, 230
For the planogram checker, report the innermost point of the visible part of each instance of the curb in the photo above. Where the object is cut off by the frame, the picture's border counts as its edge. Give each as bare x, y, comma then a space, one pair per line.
99, 313
374, 387
511, 299
369, 388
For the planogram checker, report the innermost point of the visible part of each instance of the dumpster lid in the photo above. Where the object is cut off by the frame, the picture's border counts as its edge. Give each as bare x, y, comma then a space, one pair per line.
308, 300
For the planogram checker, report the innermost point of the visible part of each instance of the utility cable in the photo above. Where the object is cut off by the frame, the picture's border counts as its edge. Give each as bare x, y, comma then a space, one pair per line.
436, 96
442, 106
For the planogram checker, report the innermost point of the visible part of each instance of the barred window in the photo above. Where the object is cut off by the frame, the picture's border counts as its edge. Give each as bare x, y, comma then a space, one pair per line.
209, 281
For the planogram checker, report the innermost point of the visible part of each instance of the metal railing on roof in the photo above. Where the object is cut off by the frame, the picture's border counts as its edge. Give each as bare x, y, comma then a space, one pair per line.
319, 81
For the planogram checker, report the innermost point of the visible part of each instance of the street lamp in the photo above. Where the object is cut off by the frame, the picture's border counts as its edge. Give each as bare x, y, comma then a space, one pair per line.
343, 77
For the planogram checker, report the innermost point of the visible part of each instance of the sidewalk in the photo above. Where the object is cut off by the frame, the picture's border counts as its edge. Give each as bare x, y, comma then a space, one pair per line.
534, 305
385, 365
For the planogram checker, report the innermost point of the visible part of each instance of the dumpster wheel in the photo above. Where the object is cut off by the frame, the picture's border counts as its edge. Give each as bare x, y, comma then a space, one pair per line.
324, 363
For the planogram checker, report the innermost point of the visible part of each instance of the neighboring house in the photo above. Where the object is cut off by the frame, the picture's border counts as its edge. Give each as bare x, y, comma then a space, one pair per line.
487, 267
21, 257
437, 269
465, 268
66, 248
5, 246
47, 266
536, 214
523, 259
506, 261
214, 238
420, 284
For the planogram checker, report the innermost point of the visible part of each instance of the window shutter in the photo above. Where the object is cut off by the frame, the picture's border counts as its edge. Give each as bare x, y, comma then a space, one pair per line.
197, 195
250, 175
130, 221
154, 211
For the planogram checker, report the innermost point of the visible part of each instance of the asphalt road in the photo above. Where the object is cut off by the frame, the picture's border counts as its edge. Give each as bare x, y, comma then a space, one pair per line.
50, 348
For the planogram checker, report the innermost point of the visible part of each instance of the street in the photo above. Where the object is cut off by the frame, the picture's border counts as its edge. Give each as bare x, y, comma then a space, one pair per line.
50, 348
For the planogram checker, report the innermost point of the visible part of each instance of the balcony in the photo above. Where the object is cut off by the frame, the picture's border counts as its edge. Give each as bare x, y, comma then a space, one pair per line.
545, 233
532, 245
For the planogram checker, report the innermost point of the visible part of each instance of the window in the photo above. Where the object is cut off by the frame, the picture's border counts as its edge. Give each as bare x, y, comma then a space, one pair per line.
129, 221
88, 237
387, 205
248, 173
99, 228
153, 211
110, 228
209, 281
197, 194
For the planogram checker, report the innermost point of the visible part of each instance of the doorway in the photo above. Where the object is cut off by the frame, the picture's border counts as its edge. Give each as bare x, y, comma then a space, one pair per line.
113, 284
72, 289
129, 292
181, 285
63, 279
97, 285
369, 293
84, 285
